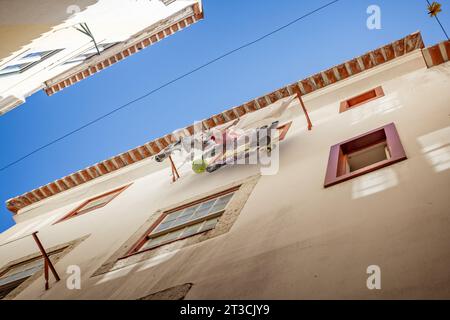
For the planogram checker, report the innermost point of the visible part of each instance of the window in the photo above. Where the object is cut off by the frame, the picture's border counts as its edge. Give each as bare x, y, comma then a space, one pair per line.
283, 130
14, 275
229, 201
361, 99
364, 154
90, 53
26, 61
94, 203
186, 221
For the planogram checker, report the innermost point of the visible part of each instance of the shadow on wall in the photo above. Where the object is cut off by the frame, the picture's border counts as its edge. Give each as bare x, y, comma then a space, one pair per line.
22, 21
374, 182
137, 267
387, 104
436, 148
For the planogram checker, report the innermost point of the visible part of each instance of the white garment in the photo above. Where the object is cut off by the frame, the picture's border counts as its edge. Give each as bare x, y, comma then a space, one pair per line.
265, 116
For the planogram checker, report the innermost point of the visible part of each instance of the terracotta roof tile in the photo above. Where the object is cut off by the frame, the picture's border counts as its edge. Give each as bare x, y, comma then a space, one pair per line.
62, 185
437, 54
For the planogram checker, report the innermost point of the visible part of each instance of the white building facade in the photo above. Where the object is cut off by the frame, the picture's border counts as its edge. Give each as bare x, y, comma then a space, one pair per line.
92, 36
367, 187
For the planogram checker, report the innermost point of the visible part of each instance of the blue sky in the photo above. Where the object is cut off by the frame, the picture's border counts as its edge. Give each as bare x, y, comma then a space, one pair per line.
320, 41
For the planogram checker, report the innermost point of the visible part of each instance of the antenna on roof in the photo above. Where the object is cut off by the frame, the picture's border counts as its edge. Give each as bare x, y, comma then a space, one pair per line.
85, 30
433, 10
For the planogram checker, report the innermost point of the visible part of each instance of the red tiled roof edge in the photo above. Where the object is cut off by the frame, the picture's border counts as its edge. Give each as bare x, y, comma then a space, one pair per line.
76, 74
315, 82
437, 54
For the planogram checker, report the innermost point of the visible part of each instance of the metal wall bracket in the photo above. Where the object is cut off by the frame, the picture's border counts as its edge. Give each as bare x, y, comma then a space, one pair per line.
85, 30
47, 263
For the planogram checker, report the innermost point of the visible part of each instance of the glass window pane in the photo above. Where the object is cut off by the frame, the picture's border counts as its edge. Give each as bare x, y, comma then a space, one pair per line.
204, 209
172, 216
189, 231
153, 242
173, 235
181, 220
222, 203
22, 274
189, 211
163, 226
36, 55
23, 270
10, 69
98, 202
33, 54
33, 57
26, 61
23, 266
209, 225
208, 204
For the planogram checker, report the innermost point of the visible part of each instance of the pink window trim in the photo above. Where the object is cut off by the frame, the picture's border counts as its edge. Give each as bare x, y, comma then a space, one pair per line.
395, 148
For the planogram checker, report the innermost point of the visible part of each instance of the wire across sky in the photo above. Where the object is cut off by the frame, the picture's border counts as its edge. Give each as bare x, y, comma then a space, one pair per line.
147, 94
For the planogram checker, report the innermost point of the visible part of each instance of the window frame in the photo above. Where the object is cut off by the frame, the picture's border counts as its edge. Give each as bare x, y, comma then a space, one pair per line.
74, 212
283, 130
394, 145
135, 249
27, 65
60, 250
35, 258
361, 99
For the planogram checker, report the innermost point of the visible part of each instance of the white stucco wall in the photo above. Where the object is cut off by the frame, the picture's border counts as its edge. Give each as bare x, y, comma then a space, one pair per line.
293, 239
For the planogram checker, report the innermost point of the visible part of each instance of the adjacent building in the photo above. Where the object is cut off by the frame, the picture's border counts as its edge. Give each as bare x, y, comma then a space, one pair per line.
56, 44
361, 185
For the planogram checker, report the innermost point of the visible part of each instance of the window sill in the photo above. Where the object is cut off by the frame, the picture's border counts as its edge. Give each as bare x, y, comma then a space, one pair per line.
362, 171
